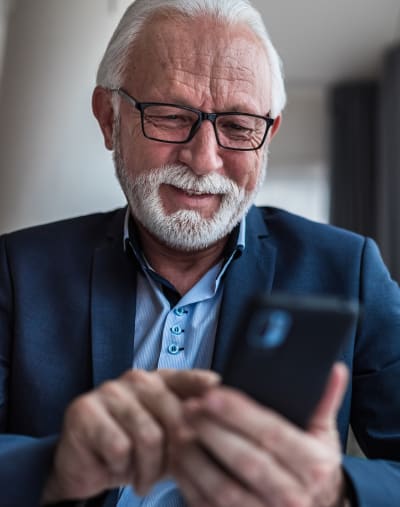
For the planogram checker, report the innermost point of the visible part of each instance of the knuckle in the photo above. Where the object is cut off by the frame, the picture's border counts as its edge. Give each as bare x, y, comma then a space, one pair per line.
156, 383
229, 495
295, 499
271, 436
81, 408
125, 414
158, 393
119, 449
115, 450
252, 470
150, 436
110, 389
319, 473
134, 376
144, 381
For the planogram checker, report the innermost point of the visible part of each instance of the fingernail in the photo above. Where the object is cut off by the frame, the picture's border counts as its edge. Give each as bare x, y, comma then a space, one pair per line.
214, 377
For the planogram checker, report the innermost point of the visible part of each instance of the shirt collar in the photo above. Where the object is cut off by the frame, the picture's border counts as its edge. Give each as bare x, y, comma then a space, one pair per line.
234, 247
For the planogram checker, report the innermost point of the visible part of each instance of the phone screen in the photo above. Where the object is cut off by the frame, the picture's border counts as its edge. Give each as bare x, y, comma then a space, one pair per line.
283, 352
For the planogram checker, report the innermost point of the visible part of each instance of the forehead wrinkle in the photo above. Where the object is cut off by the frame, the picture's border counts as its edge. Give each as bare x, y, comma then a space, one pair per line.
210, 62
210, 74
193, 65
241, 74
194, 93
191, 88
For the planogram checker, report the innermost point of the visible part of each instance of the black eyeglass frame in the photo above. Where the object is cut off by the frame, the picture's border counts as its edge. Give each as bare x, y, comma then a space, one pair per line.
201, 115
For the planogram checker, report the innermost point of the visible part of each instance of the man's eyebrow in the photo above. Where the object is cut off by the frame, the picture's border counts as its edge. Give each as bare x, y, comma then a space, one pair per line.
237, 108
241, 108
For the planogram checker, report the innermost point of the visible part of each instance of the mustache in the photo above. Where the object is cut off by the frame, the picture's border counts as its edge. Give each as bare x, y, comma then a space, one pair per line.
183, 177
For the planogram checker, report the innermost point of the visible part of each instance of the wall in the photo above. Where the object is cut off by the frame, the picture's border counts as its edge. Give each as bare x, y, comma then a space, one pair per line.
5, 8
52, 160
298, 171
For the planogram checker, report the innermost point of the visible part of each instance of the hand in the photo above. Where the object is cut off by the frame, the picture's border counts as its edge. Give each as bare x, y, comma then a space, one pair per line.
118, 433
251, 456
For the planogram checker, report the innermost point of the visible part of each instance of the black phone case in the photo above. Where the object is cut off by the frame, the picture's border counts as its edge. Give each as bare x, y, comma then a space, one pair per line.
283, 352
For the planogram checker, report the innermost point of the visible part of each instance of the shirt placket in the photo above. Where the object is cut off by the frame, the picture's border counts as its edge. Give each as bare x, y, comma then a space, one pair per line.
172, 353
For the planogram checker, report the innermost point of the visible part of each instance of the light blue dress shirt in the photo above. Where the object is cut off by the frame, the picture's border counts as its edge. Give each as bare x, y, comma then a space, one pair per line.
174, 336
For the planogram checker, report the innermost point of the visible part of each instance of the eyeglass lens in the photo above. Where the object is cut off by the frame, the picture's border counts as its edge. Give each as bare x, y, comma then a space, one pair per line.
174, 124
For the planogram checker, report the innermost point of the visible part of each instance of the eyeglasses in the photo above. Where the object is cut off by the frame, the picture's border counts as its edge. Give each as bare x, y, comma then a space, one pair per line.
170, 123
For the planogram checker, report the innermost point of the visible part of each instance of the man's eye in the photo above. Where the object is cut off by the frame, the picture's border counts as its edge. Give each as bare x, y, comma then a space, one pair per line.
170, 120
171, 117
236, 130
238, 127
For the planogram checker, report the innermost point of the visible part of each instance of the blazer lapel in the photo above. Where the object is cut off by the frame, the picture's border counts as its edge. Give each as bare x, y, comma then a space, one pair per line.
252, 273
113, 301
113, 305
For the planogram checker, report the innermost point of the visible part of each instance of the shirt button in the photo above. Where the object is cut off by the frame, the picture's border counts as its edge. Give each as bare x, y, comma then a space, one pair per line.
173, 349
176, 330
179, 311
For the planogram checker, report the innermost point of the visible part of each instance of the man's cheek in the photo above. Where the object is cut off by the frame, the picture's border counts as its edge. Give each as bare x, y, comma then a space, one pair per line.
250, 180
247, 173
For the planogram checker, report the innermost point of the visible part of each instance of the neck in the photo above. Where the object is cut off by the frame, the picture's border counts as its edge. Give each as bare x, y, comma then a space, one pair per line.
182, 269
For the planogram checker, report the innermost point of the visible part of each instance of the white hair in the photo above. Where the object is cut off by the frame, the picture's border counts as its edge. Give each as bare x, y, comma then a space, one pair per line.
115, 60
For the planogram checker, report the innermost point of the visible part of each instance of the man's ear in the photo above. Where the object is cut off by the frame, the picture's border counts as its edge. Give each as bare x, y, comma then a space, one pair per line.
104, 112
275, 127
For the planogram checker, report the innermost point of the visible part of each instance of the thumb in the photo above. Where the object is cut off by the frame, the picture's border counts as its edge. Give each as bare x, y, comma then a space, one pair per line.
324, 417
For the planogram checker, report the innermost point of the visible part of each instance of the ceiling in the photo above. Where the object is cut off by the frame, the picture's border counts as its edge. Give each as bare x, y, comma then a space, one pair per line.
325, 41
321, 41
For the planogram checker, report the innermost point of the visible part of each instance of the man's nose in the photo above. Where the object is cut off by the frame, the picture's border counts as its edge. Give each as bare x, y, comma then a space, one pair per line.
202, 153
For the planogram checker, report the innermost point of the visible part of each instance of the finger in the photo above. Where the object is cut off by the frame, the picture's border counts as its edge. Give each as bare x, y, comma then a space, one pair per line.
153, 413
251, 466
188, 383
146, 407
325, 414
145, 434
297, 451
210, 484
92, 441
191, 493
160, 401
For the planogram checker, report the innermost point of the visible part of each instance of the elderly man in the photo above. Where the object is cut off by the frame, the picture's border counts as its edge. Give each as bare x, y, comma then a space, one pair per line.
109, 323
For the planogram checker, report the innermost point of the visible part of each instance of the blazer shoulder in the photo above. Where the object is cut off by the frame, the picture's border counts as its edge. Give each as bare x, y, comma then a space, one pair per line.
314, 247
286, 226
83, 231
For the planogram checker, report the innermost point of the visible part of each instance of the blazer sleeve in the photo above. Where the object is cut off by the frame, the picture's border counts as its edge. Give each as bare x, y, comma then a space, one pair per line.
375, 413
24, 466
24, 460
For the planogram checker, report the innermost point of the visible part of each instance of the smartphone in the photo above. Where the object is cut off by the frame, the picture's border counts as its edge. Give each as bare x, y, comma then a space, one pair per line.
284, 350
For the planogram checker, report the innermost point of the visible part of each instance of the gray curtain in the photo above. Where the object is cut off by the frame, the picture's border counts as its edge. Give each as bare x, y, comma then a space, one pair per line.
388, 188
365, 159
354, 156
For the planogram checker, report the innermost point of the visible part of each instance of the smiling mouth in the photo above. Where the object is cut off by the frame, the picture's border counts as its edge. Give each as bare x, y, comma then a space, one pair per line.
191, 195
195, 193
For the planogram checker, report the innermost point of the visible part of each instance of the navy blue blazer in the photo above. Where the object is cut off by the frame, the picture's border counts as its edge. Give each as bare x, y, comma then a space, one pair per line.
67, 313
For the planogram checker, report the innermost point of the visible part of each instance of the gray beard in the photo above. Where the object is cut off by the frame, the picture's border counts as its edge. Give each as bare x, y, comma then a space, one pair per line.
184, 230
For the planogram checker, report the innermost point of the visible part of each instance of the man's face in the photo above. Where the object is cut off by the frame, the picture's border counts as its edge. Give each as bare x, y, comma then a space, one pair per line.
195, 186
